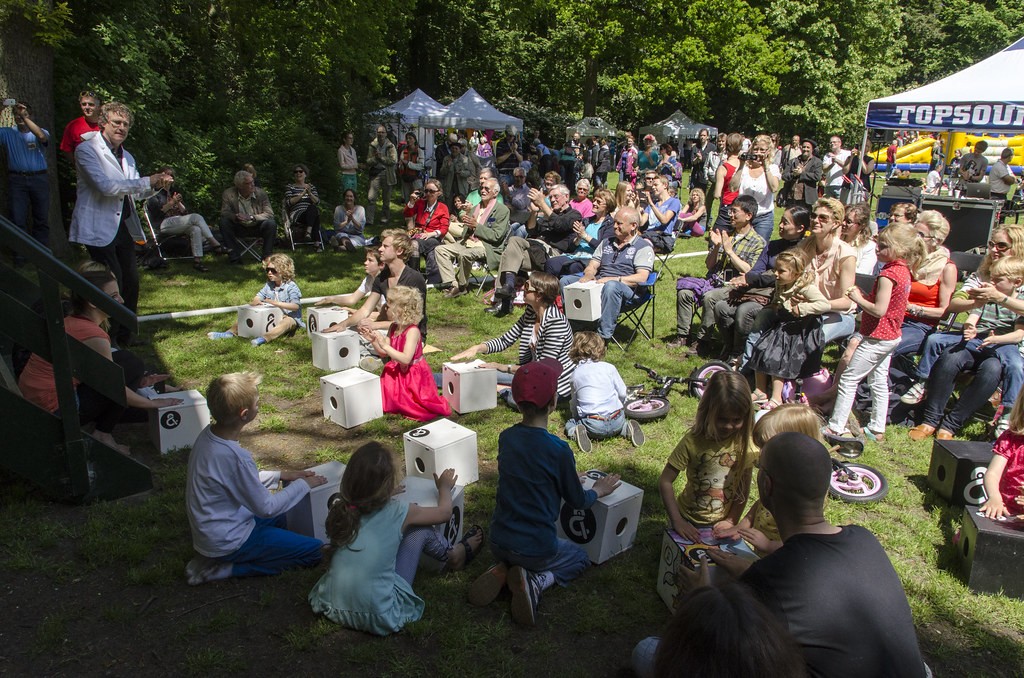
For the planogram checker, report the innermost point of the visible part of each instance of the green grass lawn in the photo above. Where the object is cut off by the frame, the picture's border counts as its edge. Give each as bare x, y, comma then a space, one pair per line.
133, 552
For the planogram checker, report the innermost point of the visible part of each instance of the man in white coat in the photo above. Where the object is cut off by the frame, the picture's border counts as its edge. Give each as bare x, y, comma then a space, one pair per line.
104, 219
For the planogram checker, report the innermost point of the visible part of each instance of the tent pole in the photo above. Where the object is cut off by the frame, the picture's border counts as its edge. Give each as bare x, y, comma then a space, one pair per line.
863, 155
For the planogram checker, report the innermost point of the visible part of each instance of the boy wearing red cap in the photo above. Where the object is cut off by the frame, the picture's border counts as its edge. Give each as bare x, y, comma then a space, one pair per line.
536, 471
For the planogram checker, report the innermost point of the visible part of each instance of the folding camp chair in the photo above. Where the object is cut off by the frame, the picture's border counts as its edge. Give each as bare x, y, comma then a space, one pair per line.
663, 257
634, 312
159, 240
290, 231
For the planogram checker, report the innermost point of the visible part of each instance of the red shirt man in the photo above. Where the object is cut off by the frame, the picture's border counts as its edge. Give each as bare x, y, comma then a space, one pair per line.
89, 122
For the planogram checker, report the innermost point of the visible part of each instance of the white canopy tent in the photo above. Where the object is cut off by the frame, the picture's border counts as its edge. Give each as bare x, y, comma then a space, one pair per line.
985, 97
404, 116
590, 126
471, 111
678, 125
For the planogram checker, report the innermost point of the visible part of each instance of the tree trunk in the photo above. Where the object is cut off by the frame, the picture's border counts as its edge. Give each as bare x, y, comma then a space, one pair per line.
26, 74
590, 88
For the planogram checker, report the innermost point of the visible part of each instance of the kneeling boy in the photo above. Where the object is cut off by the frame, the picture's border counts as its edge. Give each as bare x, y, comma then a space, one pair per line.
536, 471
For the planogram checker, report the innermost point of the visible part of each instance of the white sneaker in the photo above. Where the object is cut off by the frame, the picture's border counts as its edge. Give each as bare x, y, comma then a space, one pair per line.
1003, 425
914, 395
202, 569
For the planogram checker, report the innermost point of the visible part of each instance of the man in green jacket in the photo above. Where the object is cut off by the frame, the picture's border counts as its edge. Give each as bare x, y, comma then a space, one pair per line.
486, 232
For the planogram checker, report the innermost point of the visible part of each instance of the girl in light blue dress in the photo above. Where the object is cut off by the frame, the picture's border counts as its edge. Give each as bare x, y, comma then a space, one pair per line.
378, 543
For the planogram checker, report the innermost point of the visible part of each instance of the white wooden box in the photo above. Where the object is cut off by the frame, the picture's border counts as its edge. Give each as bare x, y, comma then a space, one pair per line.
583, 301
256, 321
322, 318
335, 351
178, 425
468, 387
609, 526
352, 397
674, 549
309, 515
423, 491
442, 444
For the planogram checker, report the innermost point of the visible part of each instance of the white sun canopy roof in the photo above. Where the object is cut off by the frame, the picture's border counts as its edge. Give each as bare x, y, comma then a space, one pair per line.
985, 97
471, 111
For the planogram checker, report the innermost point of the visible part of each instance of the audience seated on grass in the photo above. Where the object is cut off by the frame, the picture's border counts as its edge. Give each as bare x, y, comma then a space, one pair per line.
536, 471
349, 224
377, 543
718, 456
237, 522
280, 291
598, 395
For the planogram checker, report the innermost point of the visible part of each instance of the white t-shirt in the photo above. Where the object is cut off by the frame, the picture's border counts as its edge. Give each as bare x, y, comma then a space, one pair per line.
998, 171
933, 183
834, 167
225, 491
597, 388
758, 188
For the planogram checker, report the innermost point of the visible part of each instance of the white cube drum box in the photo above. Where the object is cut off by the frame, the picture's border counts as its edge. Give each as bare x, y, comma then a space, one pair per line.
583, 301
442, 444
308, 517
335, 351
256, 321
468, 387
608, 527
677, 552
352, 397
322, 318
423, 491
178, 426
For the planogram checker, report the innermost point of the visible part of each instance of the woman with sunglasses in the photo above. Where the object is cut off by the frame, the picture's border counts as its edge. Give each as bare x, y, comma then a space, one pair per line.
859, 231
427, 219
541, 332
1005, 241
302, 203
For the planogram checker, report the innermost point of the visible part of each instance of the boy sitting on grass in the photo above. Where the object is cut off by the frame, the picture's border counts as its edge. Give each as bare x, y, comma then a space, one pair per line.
281, 291
237, 524
536, 471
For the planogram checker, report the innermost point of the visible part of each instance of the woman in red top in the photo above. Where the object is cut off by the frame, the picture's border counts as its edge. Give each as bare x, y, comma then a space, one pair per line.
932, 284
899, 249
427, 220
85, 324
724, 191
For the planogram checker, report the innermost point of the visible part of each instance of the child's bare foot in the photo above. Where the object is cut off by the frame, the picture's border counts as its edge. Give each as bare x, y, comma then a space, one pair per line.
109, 441
462, 554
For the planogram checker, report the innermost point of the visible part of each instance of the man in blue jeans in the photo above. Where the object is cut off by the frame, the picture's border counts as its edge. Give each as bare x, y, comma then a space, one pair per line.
536, 471
27, 173
620, 265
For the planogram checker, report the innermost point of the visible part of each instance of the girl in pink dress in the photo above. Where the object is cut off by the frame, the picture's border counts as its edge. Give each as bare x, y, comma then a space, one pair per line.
407, 384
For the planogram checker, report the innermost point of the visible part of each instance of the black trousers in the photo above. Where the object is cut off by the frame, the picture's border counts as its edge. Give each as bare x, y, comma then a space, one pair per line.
119, 257
94, 407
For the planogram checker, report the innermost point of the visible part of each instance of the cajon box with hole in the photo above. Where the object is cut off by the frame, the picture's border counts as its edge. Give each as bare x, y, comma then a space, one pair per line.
336, 351
468, 387
177, 426
441, 444
990, 553
423, 491
310, 513
608, 527
678, 552
256, 321
583, 301
352, 397
957, 471
322, 318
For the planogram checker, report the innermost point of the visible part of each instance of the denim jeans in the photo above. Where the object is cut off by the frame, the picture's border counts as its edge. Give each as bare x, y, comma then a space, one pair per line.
271, 549
914, 333
942, 381
598, 428
934, 347
567, 564
870, 360
764, 224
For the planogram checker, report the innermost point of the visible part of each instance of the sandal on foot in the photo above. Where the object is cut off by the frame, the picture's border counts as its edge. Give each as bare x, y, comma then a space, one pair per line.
871, 435
758, 397
467, 535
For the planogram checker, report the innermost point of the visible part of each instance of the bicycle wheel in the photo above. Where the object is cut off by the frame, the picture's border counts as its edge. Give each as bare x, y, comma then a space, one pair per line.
645, 409
857, 483
699, 377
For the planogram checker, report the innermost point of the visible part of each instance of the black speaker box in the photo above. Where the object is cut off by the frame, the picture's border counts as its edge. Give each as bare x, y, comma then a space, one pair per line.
958, 469
990, 553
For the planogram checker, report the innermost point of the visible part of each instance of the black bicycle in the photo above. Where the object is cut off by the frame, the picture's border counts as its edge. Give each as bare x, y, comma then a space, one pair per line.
647, 404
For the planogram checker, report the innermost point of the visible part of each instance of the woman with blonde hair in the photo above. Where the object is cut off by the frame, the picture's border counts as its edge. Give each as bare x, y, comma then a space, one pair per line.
759, 179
